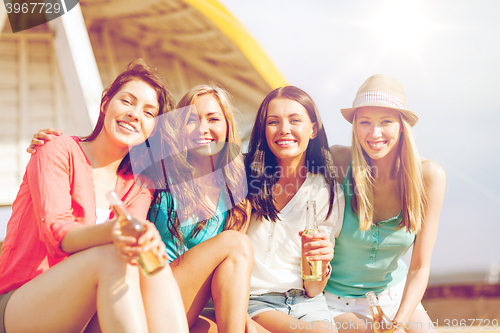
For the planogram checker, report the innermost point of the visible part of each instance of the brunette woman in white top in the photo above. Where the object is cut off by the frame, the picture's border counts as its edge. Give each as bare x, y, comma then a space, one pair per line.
288, 164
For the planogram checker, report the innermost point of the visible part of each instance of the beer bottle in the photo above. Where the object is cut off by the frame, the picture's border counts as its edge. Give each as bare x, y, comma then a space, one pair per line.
130, 226
381, 323
311, 270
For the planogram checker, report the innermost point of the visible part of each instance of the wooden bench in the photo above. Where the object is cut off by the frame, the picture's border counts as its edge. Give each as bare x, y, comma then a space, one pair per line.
453, 305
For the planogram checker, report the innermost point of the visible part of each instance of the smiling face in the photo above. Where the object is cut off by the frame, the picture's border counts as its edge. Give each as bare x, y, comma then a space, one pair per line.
378, 130
288, 130
206, 129
130, 114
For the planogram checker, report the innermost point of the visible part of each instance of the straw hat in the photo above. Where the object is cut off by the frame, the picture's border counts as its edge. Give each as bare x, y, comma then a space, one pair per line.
381, 90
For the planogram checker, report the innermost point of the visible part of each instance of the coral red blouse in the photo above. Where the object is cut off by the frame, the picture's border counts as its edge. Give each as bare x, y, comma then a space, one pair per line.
57, 194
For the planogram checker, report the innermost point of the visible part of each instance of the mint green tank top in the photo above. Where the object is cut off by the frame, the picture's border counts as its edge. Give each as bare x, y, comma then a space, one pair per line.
367, 260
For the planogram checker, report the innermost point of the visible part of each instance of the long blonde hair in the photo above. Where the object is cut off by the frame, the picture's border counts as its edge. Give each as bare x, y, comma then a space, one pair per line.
180, 170
408, 170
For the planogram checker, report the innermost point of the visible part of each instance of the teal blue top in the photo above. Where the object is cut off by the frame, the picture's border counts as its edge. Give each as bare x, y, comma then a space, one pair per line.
213, 227
367, 260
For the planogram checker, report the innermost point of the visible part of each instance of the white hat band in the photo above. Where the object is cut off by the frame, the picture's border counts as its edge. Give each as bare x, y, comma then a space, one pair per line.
378, 97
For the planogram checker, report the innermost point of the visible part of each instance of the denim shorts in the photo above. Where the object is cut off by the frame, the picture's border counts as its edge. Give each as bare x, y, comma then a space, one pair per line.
389, 300
294, 302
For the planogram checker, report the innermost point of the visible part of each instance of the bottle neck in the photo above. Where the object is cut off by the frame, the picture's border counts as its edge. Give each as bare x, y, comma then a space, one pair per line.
372, 298
311, 215
120, 210
117, 205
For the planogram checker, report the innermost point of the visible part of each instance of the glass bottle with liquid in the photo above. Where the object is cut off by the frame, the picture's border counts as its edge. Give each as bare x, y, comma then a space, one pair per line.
311, 270
381, 323
130, 226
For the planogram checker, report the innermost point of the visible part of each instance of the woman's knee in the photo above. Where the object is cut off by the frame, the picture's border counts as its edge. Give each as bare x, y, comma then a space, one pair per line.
105, 259
239, 244
111, 267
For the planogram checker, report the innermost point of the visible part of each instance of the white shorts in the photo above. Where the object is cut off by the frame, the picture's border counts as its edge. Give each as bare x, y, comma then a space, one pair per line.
389, 300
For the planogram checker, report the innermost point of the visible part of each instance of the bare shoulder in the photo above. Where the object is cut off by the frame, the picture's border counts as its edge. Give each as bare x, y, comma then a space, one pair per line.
341, 158
433, 172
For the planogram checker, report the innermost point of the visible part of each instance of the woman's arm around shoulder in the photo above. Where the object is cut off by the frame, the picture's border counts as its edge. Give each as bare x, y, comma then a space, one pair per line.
341, 158
41, 137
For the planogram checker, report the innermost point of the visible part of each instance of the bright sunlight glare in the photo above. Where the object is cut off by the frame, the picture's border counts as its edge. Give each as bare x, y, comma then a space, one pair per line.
401, 25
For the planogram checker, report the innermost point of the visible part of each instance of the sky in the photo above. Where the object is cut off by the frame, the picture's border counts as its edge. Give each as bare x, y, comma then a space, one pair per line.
446, 54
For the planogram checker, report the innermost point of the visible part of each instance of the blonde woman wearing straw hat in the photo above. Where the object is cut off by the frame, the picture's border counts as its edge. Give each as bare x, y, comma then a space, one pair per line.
393, 201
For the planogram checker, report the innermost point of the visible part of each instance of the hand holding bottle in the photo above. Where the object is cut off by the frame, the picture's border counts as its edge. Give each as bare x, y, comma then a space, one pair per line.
382, 323
317, 246
140, 239
130, 247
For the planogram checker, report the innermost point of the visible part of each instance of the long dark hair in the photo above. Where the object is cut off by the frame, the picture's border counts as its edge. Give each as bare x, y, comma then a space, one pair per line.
260, 162
142, 70
178, 170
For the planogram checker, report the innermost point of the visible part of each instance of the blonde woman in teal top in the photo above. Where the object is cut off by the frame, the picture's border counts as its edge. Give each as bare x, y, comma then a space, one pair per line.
393, 201
202, 214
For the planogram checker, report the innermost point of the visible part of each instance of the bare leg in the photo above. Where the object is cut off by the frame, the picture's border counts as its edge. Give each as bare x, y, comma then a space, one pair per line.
228, 257
164, 313
65, 297
277, 321
353, 323
254, 327
205, 324
420, 323
232, 277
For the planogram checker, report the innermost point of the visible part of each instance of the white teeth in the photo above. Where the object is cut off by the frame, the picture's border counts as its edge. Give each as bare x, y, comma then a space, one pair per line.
127, 126
377, 144
285, 142
201, 142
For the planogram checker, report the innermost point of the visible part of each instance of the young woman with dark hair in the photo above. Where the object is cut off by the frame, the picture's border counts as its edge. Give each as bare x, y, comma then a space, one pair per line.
59, 268
200, 209
288, 164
